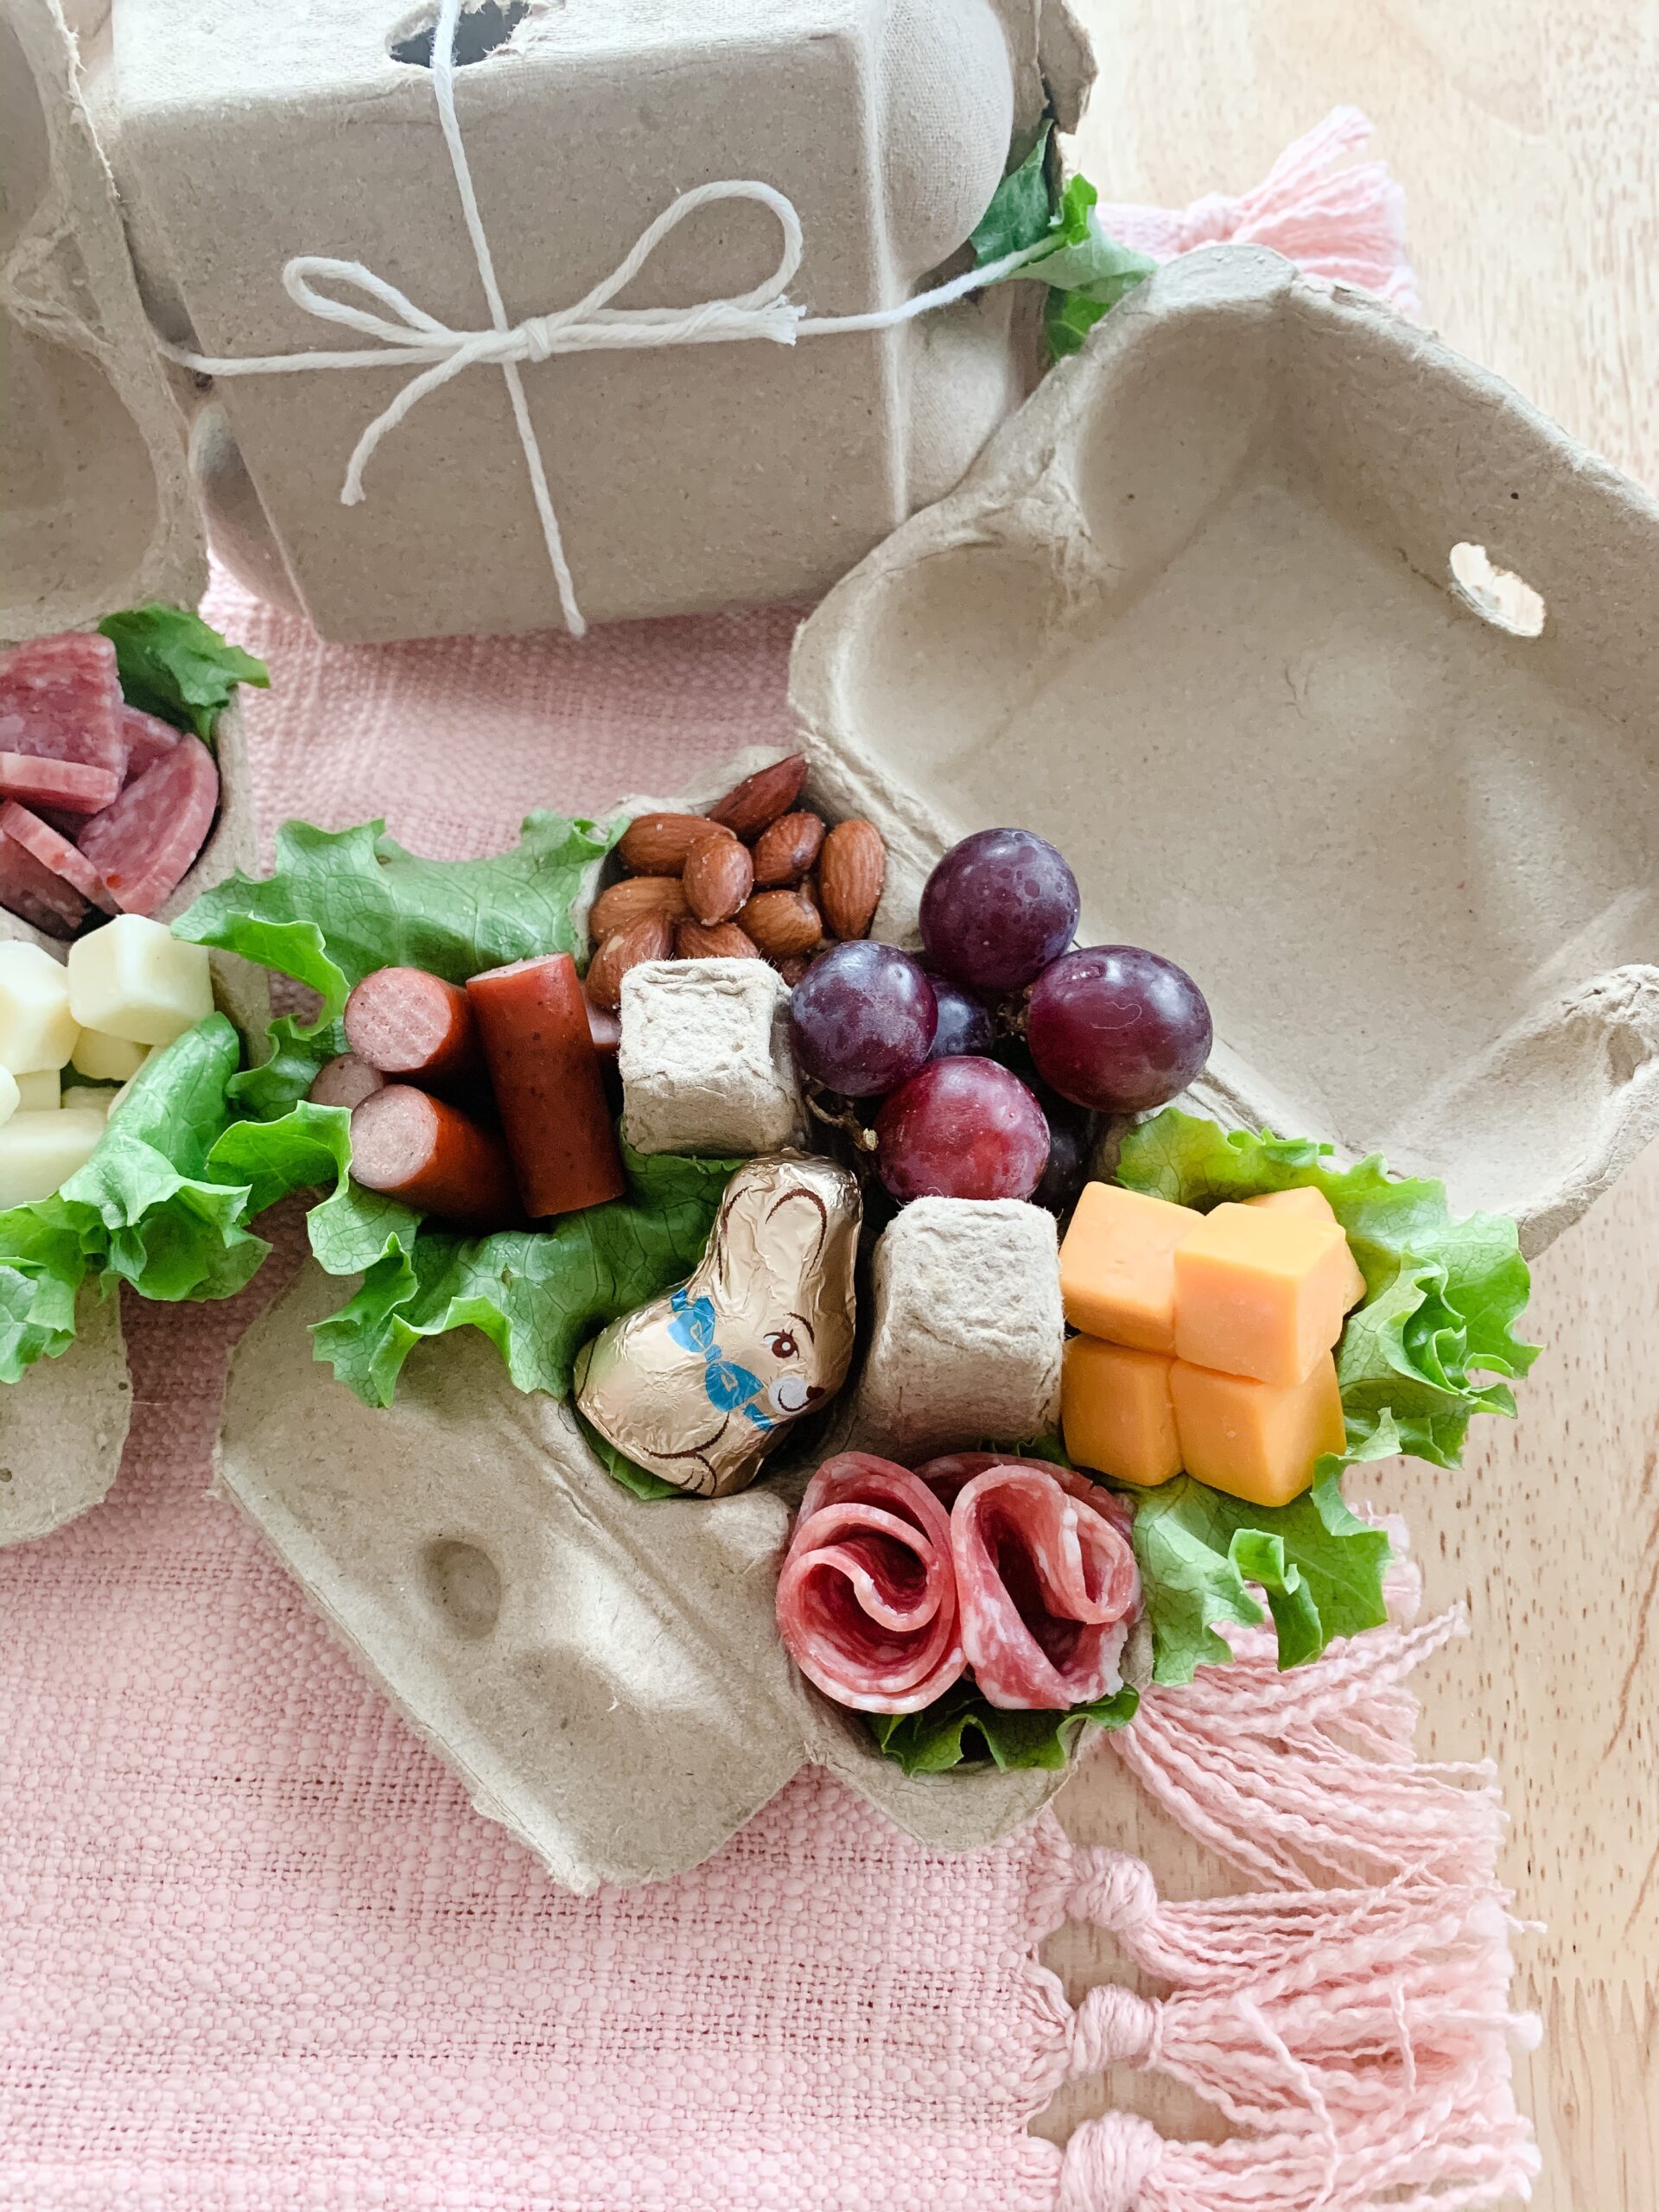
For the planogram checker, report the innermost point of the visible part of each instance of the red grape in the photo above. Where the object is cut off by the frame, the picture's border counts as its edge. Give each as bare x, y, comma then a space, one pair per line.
862, 1018
964, 1024
962, 1129
998, 908
1117, 1028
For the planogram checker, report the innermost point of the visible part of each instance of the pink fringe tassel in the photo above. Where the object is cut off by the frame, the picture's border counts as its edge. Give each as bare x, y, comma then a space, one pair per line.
1346, 226
1358, 2034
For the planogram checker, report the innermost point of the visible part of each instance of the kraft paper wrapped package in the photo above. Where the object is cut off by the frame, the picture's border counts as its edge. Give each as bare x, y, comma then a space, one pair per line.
696, 476
96, 513
1169, 606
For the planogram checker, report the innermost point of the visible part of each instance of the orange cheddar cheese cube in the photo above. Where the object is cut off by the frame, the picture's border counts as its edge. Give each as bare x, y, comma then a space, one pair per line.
1117, 1276
1314, 1205
1116, 1412
1260, 1293
1255, 1440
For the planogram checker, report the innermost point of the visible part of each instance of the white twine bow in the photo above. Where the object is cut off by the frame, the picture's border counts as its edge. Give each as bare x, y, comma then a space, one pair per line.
407, 334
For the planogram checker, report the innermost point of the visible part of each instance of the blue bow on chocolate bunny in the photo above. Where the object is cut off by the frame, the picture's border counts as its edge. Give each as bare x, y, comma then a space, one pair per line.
730, 1388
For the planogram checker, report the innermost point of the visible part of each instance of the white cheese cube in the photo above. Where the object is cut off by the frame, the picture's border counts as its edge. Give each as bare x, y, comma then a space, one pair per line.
8, 1097
131, 1079
40, 1151
37, 1029
105, 1058
38, 1093
89, 1097
134, 979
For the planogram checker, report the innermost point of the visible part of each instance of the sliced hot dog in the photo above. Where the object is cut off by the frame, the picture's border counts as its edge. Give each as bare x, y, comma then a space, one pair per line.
143, 843
414, 1026
54, 852
345, 1081
70, 785
61, 699
539, 1045
428, 1154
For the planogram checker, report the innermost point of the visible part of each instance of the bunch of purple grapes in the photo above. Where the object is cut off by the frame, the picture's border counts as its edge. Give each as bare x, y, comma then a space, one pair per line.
1110, 1029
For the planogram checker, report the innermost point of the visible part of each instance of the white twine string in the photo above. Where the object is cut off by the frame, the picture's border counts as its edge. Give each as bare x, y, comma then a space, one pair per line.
405, 333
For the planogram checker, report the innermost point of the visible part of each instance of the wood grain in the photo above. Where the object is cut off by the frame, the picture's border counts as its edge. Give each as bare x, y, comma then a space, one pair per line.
1525, 138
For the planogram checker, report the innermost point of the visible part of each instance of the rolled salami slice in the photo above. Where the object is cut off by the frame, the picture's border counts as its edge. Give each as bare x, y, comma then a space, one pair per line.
947, 1477
143, 843
36, 893
415, 1027
69, 785
61, 699
867, 1602
149, 740
345, 1081
428, 1154
539, 1045
56, 852
1047, 1587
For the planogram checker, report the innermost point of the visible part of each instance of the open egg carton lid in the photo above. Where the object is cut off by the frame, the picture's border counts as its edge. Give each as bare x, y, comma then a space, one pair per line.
1329, 663
96, 514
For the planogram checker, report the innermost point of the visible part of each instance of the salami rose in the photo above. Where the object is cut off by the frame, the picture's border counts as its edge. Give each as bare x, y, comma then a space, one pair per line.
867, 1603
1046, 1584
947, 1477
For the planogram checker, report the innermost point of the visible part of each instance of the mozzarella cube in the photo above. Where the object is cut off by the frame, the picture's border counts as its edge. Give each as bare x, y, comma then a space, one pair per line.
40, 1151
37, 1029
8, 1096
135, 980
38, 1093
104, 1059
90, 1098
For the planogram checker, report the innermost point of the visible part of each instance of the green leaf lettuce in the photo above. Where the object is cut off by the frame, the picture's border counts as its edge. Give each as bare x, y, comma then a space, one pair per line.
1086, 271
174, 665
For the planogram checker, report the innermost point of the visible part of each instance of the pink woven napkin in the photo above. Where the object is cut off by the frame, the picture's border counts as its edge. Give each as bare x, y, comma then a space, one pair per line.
257, 1953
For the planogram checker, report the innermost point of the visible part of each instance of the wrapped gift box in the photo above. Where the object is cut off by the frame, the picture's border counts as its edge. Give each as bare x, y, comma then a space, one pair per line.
696, 476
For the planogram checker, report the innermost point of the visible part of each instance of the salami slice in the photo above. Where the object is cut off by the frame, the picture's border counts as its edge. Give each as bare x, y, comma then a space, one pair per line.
54, 852
947, 1477
143, 843
36, 893
867, 1604
69, 785
60, 700
149, 740
1047, 1587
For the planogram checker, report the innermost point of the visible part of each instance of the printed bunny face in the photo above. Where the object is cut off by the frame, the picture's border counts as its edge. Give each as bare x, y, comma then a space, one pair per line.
701, 1383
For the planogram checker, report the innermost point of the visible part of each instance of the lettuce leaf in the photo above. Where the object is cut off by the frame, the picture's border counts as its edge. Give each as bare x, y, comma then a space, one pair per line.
537, 1294
173, 664
341, 903
165, 1201
962, 1726
1086, 271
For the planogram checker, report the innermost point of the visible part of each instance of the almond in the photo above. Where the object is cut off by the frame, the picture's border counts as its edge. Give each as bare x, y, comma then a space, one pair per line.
792, 967
852, 868
651, 937
719, 876
634, 898
785, 849
760, 798
657, 844
725, 941
782, 922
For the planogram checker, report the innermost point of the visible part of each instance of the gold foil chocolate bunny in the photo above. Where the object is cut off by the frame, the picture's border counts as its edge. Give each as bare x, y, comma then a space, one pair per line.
701, 1383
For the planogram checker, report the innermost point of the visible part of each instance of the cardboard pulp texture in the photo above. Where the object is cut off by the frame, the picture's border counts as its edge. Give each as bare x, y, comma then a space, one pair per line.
95, 514
1194, 605
685, 478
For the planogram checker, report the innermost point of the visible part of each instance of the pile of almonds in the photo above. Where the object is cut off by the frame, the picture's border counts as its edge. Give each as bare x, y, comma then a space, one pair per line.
753, 879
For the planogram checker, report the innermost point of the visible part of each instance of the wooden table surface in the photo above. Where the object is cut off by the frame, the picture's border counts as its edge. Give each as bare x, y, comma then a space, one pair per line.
1528, 140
